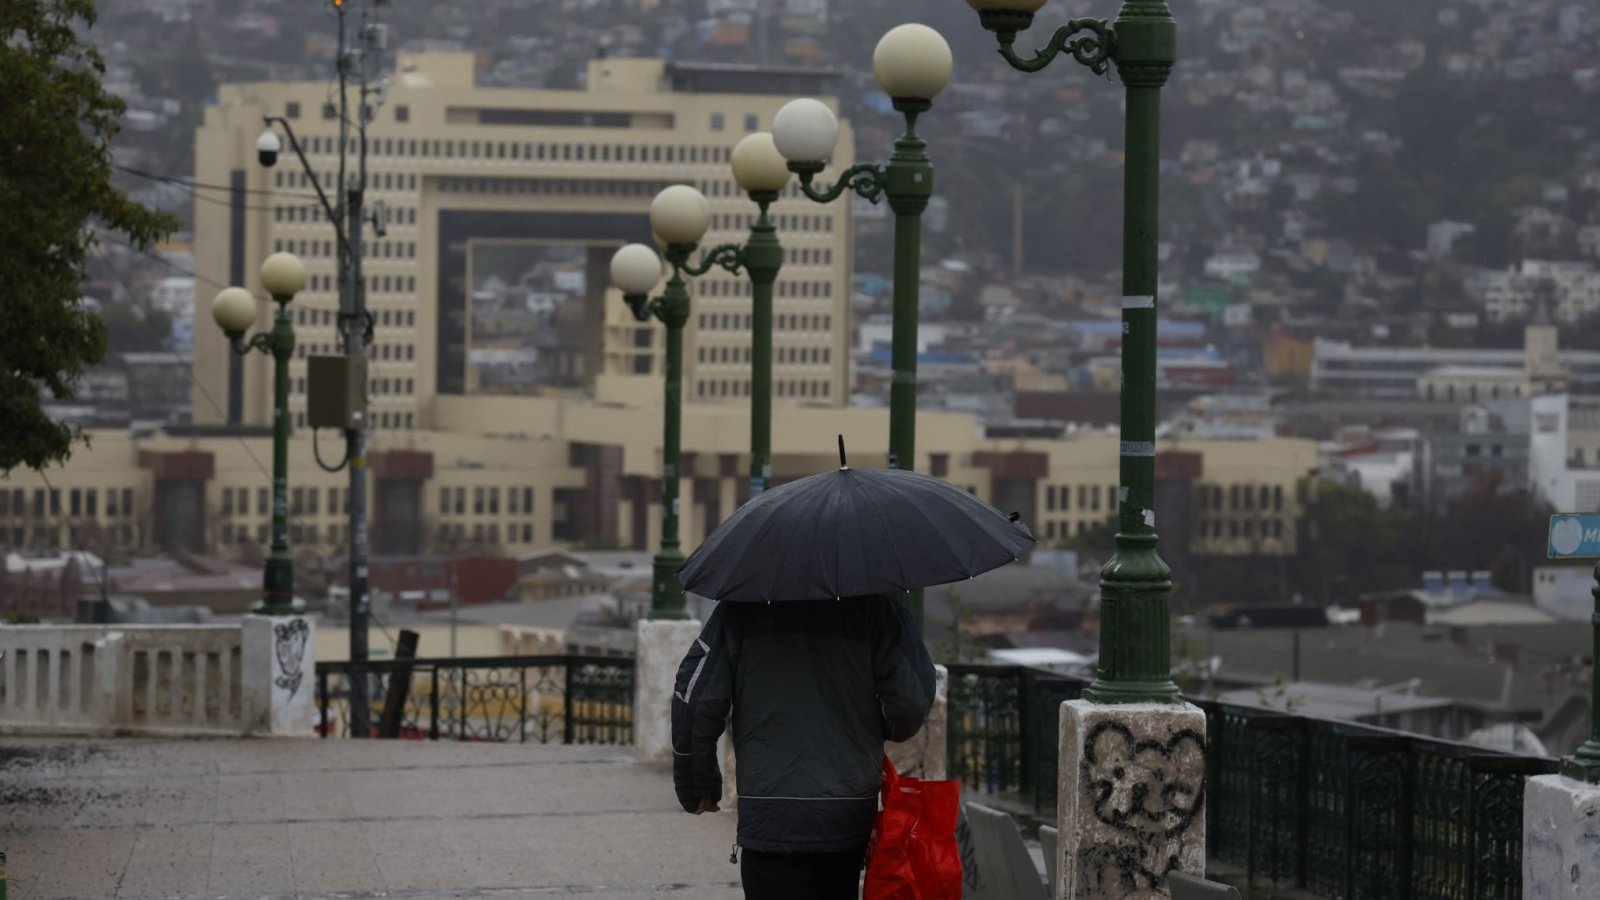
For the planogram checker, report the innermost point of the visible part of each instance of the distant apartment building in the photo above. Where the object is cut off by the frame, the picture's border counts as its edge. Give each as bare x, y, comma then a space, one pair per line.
1570, 290
1454, 375
504, 207
1214, 497
1490, 446
1564, 454
1547, 444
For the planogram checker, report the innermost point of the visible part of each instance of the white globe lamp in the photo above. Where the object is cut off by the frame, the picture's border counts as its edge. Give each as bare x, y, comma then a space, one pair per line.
758, 166
912, 62
234, 310
805, 131
635, 269
283, 275
680, 215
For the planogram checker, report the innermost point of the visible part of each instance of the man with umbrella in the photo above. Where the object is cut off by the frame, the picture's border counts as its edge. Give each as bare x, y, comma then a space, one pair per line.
816, 663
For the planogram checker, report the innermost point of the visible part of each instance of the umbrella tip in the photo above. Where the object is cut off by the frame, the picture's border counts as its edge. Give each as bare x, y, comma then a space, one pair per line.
842, 463
1014, 517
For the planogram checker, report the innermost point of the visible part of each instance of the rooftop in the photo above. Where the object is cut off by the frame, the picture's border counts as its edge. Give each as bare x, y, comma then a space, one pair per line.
1331, 701
1454, 662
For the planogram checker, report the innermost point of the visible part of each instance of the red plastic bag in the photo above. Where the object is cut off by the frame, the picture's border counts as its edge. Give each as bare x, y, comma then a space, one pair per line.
913, 854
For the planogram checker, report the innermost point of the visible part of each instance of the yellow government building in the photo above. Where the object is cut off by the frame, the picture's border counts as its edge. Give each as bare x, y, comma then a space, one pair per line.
466, 456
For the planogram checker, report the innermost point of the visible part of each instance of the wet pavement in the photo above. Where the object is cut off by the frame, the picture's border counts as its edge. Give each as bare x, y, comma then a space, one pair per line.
307, 818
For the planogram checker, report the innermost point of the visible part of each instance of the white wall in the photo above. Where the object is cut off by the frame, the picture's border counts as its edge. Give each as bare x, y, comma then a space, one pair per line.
1547, 453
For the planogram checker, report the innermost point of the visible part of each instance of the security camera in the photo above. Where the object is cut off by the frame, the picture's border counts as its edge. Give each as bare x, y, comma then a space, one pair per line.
380, 219
268, 146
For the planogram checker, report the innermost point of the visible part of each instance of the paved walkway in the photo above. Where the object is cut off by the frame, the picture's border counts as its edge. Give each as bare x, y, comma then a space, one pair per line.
229, 818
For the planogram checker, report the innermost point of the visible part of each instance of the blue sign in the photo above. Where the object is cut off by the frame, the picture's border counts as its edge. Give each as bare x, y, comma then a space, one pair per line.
1574, 536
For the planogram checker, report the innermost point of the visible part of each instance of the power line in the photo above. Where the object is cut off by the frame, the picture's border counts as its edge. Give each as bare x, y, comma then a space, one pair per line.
195, 189
191, 183
166, 262
228, 204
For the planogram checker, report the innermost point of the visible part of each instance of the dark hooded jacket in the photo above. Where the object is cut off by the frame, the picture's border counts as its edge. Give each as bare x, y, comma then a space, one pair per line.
814, 689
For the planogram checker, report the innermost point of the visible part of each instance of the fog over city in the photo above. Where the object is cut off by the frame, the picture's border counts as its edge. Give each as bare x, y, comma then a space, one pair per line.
472, 321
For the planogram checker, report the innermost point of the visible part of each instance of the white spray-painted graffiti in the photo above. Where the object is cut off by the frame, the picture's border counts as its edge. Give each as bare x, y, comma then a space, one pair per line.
290, 647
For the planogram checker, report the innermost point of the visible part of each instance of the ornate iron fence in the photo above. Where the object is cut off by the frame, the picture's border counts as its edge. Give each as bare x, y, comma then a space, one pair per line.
1002, 736
1351, 812
543, 699
1337, 809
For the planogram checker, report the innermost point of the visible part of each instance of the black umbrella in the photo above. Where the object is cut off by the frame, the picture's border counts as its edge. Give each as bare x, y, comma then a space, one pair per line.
852, 533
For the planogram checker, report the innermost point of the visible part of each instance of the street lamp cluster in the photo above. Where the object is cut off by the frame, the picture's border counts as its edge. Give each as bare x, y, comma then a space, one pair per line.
912, 64
234, 310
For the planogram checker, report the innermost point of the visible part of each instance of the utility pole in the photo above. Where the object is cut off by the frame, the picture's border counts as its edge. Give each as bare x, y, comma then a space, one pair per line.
357, 333
347, 374
355, 327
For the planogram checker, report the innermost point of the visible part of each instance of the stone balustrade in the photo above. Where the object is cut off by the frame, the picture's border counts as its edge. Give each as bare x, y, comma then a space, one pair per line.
254, 678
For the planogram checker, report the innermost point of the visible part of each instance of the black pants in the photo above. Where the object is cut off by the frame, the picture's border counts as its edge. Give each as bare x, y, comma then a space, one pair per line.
802, 876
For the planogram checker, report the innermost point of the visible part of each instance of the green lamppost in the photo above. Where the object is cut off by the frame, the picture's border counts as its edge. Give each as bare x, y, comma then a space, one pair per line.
234, 311
1584, 763
1135, 636
679, 216
763, 174
912, 64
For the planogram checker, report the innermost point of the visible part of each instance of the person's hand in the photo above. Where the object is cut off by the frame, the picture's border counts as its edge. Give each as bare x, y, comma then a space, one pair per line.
708, 804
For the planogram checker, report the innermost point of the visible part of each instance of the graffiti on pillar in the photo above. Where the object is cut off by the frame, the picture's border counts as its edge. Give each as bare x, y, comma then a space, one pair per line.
1146, 795
290, 648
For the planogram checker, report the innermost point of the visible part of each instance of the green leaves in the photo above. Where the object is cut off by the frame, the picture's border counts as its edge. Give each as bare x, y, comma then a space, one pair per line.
55, 187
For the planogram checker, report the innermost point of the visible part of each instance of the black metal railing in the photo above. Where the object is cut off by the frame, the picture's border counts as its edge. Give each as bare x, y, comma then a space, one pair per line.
542, 699
1337, 809
1350, 811
1002, 732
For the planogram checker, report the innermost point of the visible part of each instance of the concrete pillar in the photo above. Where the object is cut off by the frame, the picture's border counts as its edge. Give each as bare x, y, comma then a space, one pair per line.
662, 645
1132, 801
926, 756
279, 679
1560, 839
112, 669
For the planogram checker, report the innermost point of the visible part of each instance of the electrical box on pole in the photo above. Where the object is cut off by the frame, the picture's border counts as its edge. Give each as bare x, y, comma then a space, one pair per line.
336, 391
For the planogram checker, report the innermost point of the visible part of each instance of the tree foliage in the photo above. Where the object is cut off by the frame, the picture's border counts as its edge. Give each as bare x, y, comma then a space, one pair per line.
132, 330
55, 183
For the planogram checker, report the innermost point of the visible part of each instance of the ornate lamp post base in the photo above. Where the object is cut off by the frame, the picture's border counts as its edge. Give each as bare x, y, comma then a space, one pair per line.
666, 595
1583, 765
278, 582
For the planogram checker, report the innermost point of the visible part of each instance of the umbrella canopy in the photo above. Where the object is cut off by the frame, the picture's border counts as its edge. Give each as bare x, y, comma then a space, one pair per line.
852, 533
